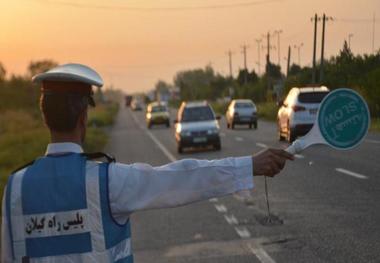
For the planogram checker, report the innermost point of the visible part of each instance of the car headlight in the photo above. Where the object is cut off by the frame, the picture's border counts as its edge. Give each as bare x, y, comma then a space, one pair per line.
212, 131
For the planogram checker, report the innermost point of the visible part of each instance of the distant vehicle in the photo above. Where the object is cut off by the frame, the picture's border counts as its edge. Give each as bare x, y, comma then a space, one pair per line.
136, 104
157, 113
241, 112
298, 111
196, 125
128, 100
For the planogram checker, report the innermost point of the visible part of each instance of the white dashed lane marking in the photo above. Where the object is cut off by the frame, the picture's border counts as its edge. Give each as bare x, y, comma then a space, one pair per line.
221, 208
299, 156
262, 145
372, 141
239, 139
213, 200
353, 174
231, 219
243, 232
261, 254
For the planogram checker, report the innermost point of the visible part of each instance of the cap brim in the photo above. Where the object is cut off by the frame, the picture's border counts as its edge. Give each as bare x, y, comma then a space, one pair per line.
66, 77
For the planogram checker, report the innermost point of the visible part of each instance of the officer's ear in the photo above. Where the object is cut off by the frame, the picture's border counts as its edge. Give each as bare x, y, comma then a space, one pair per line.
82, 120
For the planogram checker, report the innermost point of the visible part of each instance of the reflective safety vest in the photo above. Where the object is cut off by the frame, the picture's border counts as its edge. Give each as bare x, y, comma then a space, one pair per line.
58, 210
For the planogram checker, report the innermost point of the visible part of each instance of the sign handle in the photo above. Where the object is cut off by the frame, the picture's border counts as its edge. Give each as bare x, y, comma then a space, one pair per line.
297, 146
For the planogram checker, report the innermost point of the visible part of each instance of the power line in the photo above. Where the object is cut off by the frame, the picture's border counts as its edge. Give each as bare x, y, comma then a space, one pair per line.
355, 20
164, 8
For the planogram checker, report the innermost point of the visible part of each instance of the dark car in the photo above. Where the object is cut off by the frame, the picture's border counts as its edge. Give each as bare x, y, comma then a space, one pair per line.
196, 126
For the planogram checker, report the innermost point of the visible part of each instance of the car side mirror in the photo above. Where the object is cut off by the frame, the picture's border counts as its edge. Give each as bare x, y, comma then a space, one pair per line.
218, 117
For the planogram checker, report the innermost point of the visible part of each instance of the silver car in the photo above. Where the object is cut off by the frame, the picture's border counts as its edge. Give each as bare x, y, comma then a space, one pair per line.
241, 112
196, 126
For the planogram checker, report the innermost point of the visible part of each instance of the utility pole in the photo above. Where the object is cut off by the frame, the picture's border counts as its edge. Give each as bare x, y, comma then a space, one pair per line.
321, 73
268, 47
373, 32
258, 42
349, 40
315, 19
298, 47
267, 66
278, 32
229, 53
288, 63
244, 51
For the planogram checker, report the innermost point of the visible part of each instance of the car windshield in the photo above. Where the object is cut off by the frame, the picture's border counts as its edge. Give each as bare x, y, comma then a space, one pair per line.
312, 97
160, 108
239, 105
197, 114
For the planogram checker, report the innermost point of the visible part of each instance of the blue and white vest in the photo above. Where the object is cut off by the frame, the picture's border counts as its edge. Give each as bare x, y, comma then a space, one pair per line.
58, 211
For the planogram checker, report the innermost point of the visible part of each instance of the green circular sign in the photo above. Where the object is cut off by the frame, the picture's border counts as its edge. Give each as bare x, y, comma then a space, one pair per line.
343, 118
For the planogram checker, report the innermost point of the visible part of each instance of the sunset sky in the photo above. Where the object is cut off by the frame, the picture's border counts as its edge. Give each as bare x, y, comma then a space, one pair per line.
133, 43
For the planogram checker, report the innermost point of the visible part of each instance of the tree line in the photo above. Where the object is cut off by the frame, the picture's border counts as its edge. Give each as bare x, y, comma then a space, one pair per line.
345, 70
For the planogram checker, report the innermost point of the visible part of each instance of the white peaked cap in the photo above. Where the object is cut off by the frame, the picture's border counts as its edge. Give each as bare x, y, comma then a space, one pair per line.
71, 73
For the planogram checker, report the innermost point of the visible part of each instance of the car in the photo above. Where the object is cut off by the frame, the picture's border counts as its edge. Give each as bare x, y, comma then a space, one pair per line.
241, 112
128, 100
298, 111
157, 113
197, 126
136, 104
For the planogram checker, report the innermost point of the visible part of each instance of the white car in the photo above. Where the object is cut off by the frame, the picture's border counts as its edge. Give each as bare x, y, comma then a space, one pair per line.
298, 111
197, 126
241, 112
136, 105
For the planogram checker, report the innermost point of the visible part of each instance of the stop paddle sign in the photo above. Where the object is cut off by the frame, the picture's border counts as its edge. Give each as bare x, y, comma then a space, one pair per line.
342, 122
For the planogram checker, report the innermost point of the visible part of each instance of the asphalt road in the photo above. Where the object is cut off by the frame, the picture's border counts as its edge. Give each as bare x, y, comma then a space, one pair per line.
325, 204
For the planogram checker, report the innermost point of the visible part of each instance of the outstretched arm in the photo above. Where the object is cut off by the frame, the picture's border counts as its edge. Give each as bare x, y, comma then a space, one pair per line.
141, 186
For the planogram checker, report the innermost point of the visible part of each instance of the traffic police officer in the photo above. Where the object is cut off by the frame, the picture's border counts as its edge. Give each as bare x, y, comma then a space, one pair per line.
66, 207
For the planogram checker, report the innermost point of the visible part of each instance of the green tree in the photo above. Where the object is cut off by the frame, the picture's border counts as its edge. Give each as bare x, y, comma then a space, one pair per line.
40, 66
195, 84
251, 77
3, 72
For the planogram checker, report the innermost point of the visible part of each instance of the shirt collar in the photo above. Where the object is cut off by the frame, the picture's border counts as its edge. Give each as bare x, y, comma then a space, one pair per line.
63, 147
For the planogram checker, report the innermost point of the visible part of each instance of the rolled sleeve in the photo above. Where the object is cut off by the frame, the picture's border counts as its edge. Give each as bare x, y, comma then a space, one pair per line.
140, 186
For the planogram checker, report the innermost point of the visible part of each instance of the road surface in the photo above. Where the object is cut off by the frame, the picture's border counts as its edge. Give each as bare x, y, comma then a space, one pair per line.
326, 204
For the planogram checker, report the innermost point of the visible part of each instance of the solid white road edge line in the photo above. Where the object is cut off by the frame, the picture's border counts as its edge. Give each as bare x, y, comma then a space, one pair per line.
156, 141
261, 254
353, 174
213, 200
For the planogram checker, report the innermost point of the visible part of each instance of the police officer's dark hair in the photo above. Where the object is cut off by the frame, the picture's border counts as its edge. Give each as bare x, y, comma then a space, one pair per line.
61, 111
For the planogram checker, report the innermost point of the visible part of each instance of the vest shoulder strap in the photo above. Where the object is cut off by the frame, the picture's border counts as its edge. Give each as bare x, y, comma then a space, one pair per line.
89, 156
22, 167
98, 155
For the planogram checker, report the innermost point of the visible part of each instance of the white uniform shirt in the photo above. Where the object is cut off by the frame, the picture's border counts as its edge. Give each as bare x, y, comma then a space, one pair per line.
135, 187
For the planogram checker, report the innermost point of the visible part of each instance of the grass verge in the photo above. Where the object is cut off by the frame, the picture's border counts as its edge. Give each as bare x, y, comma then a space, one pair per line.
375, 125
267, 110
23, 137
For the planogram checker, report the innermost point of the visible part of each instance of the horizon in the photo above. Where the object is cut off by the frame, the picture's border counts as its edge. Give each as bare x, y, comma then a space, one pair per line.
133, 44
